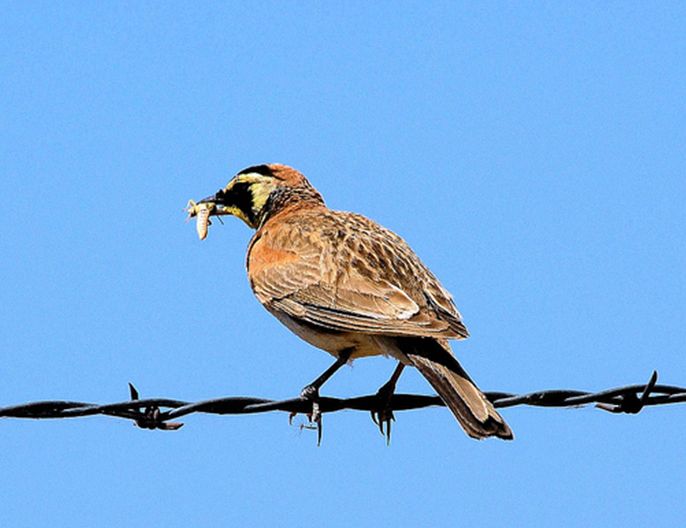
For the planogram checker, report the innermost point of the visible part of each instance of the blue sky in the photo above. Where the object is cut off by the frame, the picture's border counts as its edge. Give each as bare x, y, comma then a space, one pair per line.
531, 153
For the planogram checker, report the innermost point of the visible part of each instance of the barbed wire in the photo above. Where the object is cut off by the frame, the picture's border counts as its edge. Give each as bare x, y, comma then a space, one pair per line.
158, 413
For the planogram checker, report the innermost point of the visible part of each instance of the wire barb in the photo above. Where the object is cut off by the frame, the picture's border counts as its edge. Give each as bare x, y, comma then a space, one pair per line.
151, 417
157, 413
630, 403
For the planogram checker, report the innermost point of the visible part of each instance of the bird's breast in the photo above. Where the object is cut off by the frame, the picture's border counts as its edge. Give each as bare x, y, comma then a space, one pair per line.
263, 256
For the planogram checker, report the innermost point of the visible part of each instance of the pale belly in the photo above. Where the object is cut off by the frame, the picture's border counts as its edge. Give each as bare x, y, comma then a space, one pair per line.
362, 345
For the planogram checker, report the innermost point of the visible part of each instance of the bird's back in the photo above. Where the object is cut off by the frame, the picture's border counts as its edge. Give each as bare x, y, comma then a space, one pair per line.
346, 272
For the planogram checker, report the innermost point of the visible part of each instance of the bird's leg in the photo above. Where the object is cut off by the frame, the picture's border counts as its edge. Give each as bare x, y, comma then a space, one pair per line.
311, 391
383, 414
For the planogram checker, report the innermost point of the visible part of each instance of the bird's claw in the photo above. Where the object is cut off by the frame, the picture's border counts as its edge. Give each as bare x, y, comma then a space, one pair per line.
383, 417
383, 414
311, 394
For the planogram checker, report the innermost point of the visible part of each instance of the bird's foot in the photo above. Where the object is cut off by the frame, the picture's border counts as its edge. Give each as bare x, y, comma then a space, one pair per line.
311, 394
382, 415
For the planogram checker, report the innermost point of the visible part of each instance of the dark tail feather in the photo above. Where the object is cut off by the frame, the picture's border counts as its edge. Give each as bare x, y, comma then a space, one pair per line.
435, 361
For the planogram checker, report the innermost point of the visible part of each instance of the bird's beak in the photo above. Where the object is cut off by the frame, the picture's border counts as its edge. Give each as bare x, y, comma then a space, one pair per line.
219, 201
226, 201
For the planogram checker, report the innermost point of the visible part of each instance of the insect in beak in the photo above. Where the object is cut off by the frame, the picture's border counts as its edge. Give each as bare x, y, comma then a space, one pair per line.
202, 211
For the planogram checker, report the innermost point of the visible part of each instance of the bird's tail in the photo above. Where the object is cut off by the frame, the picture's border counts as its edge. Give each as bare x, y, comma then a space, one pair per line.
434, 359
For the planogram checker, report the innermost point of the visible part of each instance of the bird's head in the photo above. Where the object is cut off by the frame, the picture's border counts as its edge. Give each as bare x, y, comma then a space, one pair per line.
260, 191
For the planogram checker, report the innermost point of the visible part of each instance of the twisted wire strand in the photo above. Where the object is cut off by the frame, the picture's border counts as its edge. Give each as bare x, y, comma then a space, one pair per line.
157, 413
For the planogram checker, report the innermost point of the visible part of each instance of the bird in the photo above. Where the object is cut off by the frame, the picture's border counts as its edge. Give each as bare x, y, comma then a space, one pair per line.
353, 288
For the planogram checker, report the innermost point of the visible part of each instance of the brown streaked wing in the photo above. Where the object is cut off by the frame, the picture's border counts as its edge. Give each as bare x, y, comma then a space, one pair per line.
310, 277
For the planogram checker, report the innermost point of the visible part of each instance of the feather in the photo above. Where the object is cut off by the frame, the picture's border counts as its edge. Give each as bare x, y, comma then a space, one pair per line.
473, 411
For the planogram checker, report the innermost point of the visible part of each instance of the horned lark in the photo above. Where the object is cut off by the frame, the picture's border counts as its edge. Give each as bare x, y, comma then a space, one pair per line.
351, 287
